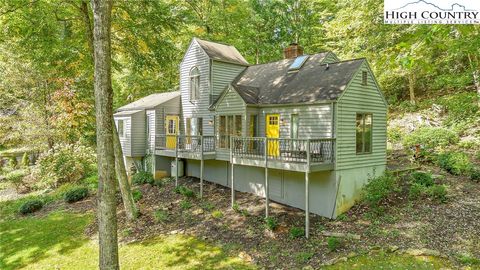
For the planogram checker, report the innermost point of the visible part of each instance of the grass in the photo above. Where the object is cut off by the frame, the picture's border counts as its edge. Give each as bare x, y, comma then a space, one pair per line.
57, 241
391, 261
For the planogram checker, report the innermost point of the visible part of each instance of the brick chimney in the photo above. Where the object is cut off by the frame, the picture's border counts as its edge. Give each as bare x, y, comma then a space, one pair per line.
292, 51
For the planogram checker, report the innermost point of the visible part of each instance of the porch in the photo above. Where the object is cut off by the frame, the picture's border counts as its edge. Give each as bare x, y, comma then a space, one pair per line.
188, 147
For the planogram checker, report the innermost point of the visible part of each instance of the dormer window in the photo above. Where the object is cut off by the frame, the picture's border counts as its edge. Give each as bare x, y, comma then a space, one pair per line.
194, 84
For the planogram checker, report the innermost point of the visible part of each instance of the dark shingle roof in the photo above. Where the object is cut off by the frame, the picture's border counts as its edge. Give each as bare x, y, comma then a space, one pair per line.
221, 52
272, 83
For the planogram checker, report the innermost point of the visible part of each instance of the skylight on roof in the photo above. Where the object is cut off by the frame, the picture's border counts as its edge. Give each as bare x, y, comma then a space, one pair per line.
298, 63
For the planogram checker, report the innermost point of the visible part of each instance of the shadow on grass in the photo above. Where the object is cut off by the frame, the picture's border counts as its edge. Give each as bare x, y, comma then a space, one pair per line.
27, 240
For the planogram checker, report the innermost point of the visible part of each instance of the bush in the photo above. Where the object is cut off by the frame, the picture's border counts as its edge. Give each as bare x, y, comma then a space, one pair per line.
16, 178
184, 204
395, 135
422, 178
12, 163
141, 178
378, 189
438, 192
475, 175
75, 194
25, 160
184, 191
430, 137
137, 195
217, 214
66, 163
271, 223
160, 216
333, 243
30, 206
296, 232
91, 181
456, 163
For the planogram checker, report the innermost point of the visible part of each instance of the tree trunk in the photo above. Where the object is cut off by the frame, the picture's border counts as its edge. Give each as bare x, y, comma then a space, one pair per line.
128, 203
411, 87
106, 212
475, 75
88, 26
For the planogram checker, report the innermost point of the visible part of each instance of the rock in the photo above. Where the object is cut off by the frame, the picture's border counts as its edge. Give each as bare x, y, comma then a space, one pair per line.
341, 235
308, 267
352, 255
197, 212
423, 252
392, 249
244, 256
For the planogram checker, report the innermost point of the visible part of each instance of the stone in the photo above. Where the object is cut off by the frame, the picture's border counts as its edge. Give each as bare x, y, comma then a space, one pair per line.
244, 256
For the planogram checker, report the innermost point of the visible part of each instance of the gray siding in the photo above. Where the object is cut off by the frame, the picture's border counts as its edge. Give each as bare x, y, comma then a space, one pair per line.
196, 57
151, 116
358, 98
171, 107
315, 121
126, 140
330, 58
138, 134
222, 75
231, 104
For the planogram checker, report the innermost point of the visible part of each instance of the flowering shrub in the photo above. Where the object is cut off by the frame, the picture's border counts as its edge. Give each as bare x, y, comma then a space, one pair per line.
66, 163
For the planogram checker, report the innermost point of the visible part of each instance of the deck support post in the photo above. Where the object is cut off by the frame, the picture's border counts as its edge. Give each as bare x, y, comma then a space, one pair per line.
201, 166
267, 201
231, 174
176, 160
307, 193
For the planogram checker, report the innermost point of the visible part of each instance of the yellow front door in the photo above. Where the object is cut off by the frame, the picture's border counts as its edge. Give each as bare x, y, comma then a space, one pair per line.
171, 131
273, 131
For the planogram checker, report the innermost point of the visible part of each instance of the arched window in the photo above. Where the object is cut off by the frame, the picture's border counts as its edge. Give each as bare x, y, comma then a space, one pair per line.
194, 84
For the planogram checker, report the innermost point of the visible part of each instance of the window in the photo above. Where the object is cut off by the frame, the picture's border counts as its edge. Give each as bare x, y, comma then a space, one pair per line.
364, 133
194, 84
121, 129
188, 126
294, 126
200, 126
230, 125
298, 63
252, 131
171, 127
364, 78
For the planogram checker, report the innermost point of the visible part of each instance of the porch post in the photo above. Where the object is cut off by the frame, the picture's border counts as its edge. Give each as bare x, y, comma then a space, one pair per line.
307, 193
267, 201
176, 160
201, 166
231, 174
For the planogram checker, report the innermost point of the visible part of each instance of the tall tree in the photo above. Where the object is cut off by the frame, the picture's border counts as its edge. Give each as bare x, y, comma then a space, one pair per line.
107, 219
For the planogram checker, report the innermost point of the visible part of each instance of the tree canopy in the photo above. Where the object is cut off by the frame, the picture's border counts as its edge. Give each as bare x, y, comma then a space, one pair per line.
47, 68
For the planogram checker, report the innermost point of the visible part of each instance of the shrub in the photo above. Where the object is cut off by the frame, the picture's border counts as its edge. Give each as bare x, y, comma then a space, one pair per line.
91, 181
160, 215
416, 191
75, 194
296, 232
475, 175
25, 160
137, 195
456, 163
271, 223
16, 178
438, 192
395, 135
184, 191
12, 163
141, 178
430, 137
217, 214
66, 163
30, 206
333, 243
379, 188
236, 207
184, 204
422, 178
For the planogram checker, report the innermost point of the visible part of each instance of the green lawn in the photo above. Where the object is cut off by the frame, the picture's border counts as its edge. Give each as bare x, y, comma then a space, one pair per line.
57, 241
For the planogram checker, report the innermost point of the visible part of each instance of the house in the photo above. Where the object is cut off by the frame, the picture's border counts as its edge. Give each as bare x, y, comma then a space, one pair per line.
307, 131
139, 122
